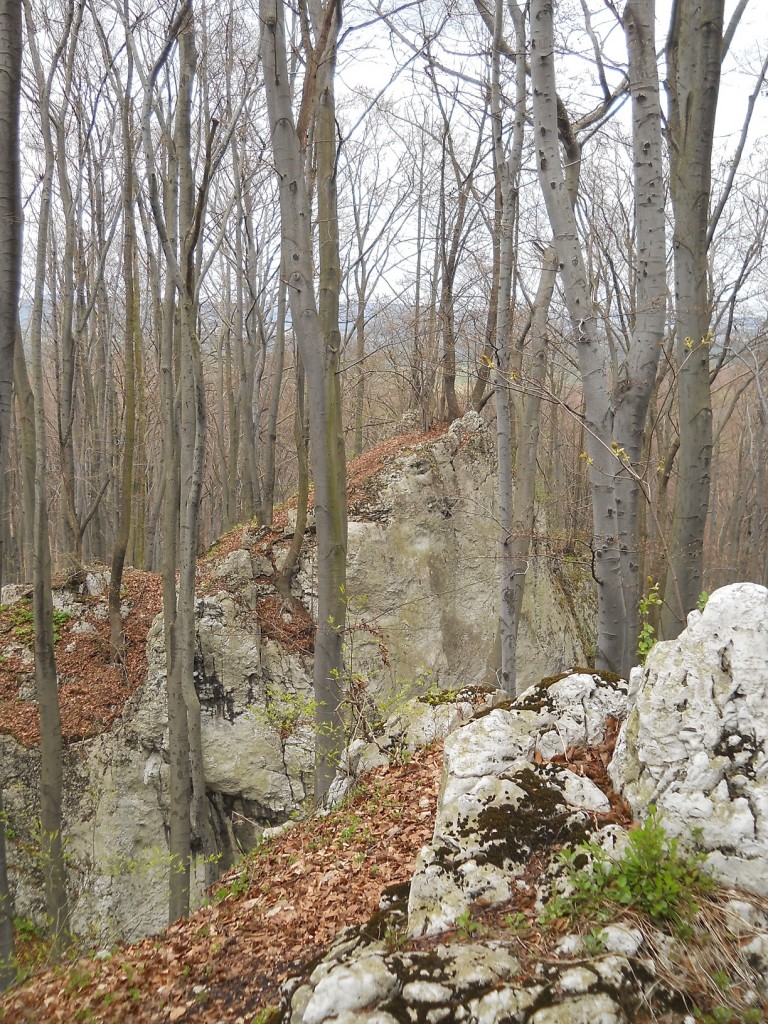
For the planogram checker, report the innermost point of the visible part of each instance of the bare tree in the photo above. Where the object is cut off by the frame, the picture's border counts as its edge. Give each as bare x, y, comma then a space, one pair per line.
10, 277
316, 326
51, 782
694, 51
615, 409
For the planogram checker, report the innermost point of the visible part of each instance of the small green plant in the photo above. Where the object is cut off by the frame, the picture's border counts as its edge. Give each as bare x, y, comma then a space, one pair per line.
395, 938
286, 712
268, 1015
701, 604
723, 980
727, 1015
594, 941
353, 830
655, 875
517, 923
647, 637
78, 979
400, 754
237, 886
60, 619
466, 928
435, 694
21, 620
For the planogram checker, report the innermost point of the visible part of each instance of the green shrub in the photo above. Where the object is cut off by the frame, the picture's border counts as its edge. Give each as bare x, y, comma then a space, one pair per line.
655, 875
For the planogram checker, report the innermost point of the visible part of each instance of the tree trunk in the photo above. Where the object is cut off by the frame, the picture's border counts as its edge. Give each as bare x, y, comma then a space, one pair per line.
317, 334
694, 49
10, 283
507, 172
592, 362
301, 440
131, 329
637, 376
51, 840
278, 361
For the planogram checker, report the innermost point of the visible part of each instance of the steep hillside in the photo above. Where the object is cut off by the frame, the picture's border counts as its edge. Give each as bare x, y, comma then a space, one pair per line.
422, 615
268, 917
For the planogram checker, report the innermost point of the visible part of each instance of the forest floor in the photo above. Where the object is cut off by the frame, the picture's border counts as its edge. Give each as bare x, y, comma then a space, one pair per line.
272, 913
276, 912
92, 688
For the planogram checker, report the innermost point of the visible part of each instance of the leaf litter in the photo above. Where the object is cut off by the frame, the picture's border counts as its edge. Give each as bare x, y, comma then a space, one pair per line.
267, 917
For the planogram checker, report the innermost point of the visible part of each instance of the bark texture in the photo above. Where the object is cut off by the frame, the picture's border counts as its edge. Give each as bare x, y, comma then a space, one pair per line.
694, 51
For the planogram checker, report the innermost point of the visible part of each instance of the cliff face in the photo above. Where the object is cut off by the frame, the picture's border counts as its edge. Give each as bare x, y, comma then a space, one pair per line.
422, 610
423, 572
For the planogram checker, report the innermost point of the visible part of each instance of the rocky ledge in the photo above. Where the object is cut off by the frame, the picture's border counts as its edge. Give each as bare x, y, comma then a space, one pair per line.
504, 920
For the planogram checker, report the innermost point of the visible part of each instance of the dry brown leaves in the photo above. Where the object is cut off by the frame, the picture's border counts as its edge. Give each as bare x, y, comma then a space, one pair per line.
92, 689
229, 958
292, 628
362, 470
593, 763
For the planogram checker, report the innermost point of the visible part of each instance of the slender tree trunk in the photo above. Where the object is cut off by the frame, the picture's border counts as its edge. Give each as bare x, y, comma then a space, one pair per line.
51, 795
10, 283
301, 440
592, 362
694, 50
25, 402
318, 337
637, 376
278, 361
507, 171
131, 329
528, 439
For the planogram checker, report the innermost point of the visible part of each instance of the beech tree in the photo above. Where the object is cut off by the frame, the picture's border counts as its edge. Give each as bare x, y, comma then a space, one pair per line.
10, 278
694, 49
615, 406
46, 682
315, 324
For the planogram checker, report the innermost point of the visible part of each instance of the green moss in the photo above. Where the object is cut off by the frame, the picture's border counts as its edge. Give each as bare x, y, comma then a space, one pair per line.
504, 705
539, 821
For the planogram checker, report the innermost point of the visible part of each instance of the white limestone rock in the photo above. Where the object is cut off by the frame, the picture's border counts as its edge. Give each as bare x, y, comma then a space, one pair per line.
695, 743
595, 1008
350, 987
486, 830
572, 710
496, 808
477, 982
419, 571
620, 938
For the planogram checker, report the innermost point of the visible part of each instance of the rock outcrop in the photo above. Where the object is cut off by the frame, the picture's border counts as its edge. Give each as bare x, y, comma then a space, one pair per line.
422, 574
500, 803
422, 615
117, 789
695, 743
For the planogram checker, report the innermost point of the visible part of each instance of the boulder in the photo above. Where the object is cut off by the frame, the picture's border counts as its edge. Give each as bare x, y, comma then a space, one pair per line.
695, 743
422, 574
499, 805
